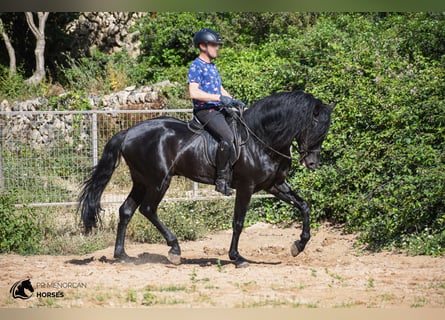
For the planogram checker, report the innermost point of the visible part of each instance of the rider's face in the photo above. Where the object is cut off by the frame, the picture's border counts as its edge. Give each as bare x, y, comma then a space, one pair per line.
212, 50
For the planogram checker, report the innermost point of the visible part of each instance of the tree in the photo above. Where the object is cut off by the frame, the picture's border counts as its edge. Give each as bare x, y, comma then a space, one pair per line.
9, 48
39, 33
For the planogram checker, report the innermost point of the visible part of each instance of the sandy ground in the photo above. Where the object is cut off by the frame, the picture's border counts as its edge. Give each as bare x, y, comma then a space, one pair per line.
330, 273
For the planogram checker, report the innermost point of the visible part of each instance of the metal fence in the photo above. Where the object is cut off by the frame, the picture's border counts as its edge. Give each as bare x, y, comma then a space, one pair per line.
45, 155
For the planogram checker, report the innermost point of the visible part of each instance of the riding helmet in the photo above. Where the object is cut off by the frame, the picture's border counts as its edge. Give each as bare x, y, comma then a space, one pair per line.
206, 35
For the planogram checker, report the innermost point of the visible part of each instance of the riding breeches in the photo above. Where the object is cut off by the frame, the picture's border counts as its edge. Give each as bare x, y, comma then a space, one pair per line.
215, 122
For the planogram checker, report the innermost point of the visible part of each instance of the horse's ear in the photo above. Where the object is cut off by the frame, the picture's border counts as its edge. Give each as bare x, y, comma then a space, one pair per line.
332, 106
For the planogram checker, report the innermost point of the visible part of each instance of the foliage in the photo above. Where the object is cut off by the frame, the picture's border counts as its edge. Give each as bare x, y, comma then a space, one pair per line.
69, 101
100, 73
271, 211
13, 86
166, 37
254, 72
60, 232
249, 67
383, 171
19, 228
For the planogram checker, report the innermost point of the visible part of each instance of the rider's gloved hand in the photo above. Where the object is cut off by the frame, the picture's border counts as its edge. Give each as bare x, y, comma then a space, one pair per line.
225, 101
230, 102
238, 104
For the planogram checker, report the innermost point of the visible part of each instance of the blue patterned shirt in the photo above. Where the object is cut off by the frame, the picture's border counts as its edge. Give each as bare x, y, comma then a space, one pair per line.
207, 76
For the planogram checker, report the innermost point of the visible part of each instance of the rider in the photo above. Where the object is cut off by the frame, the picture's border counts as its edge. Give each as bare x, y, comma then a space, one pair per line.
209, 96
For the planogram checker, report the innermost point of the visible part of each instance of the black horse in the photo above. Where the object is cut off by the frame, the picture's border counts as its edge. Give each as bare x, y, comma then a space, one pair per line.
158, 149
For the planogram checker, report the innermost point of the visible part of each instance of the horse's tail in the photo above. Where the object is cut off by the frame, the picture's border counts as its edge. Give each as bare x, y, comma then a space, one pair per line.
93, 187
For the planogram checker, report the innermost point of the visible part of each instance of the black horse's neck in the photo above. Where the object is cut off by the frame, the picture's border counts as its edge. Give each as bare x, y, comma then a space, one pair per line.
282, 117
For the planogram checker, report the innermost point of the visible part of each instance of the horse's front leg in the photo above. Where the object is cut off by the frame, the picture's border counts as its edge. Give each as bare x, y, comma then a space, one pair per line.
241, 204
284, 192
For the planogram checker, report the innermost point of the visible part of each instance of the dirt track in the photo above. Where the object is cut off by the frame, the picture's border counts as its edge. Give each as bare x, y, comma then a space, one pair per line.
330, 273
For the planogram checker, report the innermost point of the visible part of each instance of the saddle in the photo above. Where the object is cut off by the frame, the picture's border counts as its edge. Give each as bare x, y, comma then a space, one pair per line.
210, 144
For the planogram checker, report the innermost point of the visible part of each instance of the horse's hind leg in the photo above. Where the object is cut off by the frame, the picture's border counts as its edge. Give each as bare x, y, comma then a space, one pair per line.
149, 208
126, 212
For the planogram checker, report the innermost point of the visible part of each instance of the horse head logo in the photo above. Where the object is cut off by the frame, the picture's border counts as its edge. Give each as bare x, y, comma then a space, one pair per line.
18, 289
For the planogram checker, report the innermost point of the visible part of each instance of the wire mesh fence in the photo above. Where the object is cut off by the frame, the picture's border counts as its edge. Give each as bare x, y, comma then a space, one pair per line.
45, 155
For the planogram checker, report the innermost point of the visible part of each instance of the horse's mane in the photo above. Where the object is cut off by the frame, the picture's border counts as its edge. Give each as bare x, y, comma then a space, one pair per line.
283, 115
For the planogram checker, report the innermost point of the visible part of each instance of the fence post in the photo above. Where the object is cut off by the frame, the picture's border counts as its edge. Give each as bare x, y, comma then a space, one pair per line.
195, 189
94, 136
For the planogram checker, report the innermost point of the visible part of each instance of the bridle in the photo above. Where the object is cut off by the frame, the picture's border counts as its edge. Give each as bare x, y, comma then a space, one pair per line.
302, 151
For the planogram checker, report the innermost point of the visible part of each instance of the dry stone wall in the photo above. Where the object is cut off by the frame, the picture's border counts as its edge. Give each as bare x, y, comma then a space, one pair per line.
39, 130
107, 31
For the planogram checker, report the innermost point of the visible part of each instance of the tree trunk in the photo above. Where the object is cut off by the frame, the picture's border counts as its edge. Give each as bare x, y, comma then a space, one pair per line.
39, 33
10, 49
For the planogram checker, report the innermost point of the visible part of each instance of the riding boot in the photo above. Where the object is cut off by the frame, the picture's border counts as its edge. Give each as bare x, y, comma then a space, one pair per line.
223, 169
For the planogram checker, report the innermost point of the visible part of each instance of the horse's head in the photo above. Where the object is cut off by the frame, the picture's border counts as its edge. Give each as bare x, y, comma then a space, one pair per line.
26, 284
310, 144
284, 117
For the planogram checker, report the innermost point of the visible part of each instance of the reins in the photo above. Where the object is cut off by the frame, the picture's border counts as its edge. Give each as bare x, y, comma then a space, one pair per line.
303, 153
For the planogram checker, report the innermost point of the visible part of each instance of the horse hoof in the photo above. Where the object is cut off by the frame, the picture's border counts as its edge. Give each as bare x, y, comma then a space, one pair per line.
294, 251
174, 258
241, 264
122, 257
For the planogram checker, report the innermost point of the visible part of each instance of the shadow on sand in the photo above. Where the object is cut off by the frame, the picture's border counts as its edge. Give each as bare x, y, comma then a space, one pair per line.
145, 258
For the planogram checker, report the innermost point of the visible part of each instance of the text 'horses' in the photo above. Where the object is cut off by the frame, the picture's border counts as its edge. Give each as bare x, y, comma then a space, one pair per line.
158, 149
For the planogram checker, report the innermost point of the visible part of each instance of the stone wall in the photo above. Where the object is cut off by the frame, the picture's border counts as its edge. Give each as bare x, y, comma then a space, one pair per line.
41, 130
107, 31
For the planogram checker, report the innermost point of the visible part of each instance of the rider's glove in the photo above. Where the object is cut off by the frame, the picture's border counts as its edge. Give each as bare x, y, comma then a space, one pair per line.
225, 101
238, 104
230, 102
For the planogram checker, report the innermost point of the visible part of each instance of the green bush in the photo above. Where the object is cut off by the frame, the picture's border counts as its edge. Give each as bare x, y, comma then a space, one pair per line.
14, 86
19, 228
167, 47
254, 72
100, 73
85, 74
167, 38
382, 169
